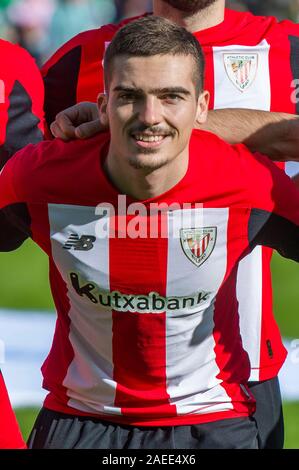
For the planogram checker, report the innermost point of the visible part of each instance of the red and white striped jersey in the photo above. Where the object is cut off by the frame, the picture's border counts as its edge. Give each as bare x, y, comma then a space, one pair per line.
148, 322
21, 100
251, 62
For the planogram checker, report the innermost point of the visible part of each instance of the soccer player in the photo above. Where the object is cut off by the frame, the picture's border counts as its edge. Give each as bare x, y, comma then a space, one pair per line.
21, 100
21, 122
145, 231
250, 63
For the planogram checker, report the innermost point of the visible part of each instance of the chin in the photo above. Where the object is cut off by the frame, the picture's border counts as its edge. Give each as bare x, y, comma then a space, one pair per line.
149, 162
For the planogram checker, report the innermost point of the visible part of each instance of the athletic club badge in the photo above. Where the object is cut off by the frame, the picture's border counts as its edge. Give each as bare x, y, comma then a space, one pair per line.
241, 69
198, 243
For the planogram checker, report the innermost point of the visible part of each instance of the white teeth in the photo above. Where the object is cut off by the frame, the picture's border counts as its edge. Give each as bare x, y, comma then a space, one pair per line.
149, 138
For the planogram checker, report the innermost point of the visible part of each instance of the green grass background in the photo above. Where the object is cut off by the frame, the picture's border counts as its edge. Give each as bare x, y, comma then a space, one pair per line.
24, 285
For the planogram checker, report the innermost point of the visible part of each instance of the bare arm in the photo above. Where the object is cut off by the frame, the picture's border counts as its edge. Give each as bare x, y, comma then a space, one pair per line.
273, 134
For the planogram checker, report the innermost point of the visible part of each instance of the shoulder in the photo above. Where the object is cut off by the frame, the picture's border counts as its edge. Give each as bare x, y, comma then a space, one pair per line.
16, 61
19, 70
39, 169
87, 39
270, 24
232, 170
13, 50
259, 27
56, 151
289, 27
247, 18
22, 94
235, 161
74, 46
208, 142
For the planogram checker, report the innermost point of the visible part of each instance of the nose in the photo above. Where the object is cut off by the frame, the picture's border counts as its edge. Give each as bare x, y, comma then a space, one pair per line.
150, 111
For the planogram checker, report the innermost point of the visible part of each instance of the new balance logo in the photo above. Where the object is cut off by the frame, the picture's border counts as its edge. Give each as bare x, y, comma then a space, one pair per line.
84, 243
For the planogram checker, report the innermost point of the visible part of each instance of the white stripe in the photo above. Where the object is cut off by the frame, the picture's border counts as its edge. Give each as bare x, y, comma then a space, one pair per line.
191, 368
249, 295
89, 378
255, 96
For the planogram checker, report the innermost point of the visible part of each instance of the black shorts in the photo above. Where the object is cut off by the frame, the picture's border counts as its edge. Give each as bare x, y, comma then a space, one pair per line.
268, 415
54, 430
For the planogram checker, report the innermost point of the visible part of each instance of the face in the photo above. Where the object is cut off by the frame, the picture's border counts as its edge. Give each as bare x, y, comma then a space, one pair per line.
190, 6
151, 108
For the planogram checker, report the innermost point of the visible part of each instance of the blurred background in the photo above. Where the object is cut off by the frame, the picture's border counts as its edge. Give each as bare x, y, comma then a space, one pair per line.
41, 26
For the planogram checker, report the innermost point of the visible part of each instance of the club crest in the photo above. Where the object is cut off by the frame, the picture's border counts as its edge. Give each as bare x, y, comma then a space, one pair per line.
241, 69
198, 243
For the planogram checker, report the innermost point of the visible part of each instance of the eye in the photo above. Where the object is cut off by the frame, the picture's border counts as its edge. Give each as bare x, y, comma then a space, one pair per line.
127, 97
172, 98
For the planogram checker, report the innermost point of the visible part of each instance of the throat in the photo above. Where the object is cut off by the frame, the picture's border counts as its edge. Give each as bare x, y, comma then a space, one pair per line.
142, 184
206, 18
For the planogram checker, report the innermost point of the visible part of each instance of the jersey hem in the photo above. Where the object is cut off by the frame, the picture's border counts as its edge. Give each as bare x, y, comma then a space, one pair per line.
267, 372
51, 403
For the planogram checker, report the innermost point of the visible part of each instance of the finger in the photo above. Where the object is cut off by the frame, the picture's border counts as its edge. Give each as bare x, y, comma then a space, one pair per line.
66, 125
79, 113
57, 132
89, 129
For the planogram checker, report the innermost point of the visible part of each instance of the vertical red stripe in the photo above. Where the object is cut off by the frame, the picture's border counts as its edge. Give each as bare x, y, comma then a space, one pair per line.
281, 76
272, 352
91, 76
209, 74
232, 360
281, 92
139, 266
202, 246
56, 365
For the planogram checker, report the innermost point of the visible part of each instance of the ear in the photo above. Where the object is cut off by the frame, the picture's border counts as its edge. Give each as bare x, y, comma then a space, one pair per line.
202, 107
102, 102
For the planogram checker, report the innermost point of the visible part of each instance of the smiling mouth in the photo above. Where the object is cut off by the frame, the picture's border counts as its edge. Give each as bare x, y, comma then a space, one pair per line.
149, 140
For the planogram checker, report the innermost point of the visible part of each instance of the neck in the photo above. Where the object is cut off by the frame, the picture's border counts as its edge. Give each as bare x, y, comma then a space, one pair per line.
143, 184
204, 19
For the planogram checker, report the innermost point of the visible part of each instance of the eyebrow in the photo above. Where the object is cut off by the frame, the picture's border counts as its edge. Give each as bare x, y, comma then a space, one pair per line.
154, 91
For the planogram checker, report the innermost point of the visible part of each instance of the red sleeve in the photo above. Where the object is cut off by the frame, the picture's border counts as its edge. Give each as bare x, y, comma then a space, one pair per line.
82, 39
7, 190
15, 224
78, 40
274, 202
10, 434
269, 187
21, 101
74, 73
290, 27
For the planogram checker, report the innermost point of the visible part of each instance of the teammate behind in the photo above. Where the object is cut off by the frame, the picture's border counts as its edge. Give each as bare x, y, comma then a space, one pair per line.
21, 122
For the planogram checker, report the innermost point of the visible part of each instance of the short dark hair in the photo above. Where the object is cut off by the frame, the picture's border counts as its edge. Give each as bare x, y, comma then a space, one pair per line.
153, 35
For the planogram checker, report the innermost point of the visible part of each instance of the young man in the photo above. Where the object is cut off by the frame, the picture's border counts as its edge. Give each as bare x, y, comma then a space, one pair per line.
245, 56
147, 350
21, 122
